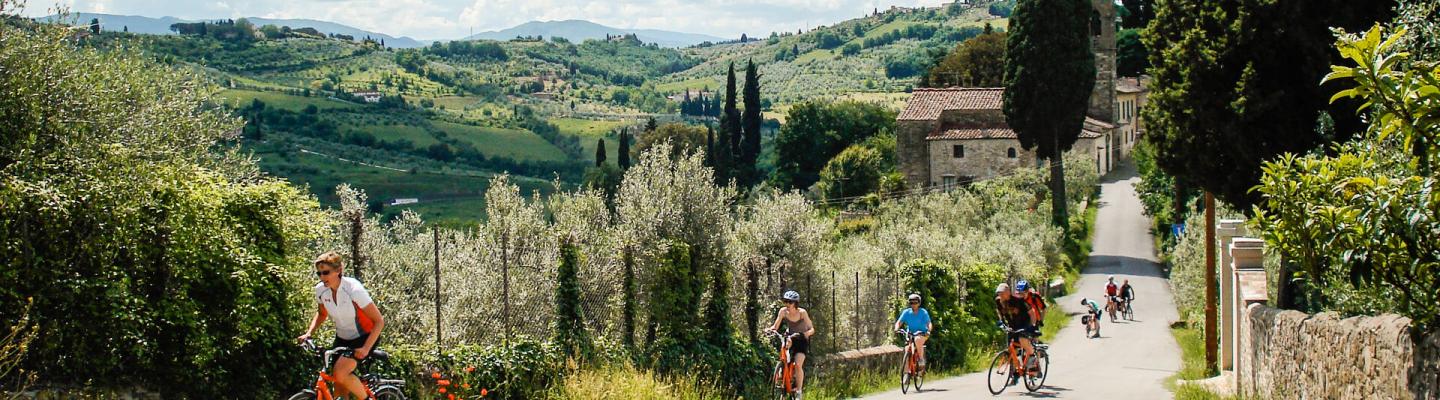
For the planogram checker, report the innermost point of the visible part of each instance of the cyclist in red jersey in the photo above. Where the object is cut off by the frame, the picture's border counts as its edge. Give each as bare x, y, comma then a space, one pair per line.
1112, 291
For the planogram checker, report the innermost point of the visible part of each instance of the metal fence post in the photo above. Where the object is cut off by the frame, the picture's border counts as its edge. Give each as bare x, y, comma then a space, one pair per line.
834, 333
439, 338
856, 325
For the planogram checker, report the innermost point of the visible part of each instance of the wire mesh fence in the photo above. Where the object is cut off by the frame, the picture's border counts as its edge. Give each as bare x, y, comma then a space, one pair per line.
451, 287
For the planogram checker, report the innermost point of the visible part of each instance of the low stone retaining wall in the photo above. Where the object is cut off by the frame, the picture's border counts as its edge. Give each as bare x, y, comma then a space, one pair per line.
1292, 355
845, 362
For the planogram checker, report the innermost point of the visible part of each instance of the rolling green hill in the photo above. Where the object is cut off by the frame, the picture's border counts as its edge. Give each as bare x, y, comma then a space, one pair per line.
453, 114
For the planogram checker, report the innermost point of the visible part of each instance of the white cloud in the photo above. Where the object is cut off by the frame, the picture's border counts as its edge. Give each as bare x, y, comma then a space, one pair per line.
449, 19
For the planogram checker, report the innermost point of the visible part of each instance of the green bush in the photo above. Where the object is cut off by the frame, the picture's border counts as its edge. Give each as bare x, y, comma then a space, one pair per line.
570, 334
1360, 225
154, 257
522, 369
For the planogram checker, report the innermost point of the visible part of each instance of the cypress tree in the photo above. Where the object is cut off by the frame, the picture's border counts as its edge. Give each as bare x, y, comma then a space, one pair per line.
624, 151
750, 153
1049, 73
730, 122
709, 146
600, 153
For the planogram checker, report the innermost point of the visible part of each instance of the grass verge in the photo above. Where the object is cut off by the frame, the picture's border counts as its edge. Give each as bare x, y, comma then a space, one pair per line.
1192, 365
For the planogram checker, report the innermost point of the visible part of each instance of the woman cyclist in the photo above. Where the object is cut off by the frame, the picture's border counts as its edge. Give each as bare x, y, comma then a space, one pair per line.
798, 326
916, 320
357, 320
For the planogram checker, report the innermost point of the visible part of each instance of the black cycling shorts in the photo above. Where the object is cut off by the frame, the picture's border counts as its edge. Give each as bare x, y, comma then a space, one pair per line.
799, 345
352, 344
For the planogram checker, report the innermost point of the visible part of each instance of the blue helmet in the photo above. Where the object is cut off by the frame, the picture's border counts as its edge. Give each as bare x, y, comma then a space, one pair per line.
1022, 285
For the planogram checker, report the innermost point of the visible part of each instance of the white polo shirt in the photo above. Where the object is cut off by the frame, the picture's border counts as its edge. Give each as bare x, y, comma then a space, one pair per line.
344, 306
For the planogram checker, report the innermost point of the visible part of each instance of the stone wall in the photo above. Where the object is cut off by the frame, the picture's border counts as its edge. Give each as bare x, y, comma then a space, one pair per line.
912, 151
984, 159
1292, 355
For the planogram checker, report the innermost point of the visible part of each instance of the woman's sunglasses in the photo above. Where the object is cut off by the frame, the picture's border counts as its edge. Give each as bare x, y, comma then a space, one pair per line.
323, 274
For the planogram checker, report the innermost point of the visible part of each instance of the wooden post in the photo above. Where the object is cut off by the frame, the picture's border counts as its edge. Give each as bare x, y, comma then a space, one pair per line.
439, 339
1211, 339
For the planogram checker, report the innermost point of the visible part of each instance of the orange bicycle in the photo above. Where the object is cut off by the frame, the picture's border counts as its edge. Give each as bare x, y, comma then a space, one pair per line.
375, 387
783, 376
1007, 366
911, 374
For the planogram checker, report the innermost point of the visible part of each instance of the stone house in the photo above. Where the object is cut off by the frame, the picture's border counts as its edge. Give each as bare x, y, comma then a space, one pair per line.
948, 136
370, 97
953, 136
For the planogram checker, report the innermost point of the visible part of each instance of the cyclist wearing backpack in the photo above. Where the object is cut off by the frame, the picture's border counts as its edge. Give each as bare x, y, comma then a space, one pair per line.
1033, 299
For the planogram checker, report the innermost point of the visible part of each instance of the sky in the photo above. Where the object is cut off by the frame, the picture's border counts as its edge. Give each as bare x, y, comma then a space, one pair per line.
453, 19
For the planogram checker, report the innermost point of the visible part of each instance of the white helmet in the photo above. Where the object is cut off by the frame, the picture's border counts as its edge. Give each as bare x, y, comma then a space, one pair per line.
1004, 287
1112, 278
914, 297
791, 295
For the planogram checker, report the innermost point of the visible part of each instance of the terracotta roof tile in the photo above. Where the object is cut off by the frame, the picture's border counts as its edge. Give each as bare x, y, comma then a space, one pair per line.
927, 104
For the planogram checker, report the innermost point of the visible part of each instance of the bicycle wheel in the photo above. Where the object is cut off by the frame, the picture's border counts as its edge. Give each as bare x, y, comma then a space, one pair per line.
304, 395
389, 393
777, 378
917, 378
999, 370
1035, 381
905, 373
1129, 312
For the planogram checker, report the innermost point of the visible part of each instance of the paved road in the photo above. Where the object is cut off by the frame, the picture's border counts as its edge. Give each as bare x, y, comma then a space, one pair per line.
1131, 359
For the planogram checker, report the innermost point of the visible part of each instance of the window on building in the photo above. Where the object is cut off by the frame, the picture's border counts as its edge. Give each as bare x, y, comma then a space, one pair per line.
1010, 153
948, 181
958, 151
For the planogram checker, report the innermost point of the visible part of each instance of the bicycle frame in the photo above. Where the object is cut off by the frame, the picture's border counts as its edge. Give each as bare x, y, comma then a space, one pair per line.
322, 389
1018, 358
787, 368
912, 353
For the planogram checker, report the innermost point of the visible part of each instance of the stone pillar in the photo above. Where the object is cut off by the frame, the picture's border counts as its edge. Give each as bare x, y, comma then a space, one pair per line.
1226, 230
1248, 281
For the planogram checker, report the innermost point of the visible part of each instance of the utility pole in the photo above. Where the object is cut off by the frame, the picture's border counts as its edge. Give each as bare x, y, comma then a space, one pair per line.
1211, 340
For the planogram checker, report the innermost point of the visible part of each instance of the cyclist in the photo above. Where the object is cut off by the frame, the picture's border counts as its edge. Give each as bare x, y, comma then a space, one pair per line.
357, 320
1015, 313
1112, 292
1127, 293
799, 327
917, 322
1032, 298
1094, 315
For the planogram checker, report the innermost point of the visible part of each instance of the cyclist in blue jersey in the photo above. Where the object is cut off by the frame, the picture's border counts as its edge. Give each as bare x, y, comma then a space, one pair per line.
916, 320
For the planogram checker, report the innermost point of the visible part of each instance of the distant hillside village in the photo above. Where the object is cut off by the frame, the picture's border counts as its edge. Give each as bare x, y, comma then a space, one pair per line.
957, 135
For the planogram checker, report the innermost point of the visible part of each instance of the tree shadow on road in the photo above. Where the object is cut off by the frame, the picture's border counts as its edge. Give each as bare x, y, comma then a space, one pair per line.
1046, 392
1123, 265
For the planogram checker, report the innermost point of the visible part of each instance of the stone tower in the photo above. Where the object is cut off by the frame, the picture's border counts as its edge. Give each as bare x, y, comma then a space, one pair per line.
1102, 43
